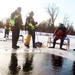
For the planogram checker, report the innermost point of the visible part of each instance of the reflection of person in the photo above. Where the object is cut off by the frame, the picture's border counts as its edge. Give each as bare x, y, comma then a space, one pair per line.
13, 64
57, 61
30, 25
7, 28
73, 69
74, 49
27, 66
60, 33
17, 24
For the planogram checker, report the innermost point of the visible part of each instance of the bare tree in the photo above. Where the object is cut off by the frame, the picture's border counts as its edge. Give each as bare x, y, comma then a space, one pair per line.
1, 24
66, 19
49, 22
70, 28
53, 11
68, 24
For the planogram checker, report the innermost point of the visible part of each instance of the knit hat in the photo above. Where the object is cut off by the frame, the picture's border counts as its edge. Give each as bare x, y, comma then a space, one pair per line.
19, 8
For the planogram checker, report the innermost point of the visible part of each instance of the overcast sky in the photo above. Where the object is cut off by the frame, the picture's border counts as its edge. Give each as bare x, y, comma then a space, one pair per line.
38, 6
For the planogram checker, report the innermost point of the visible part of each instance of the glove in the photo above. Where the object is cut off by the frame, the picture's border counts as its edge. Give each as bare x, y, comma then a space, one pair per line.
36, 22
64, 37
31, 26
53, 35
22, 27
13, 28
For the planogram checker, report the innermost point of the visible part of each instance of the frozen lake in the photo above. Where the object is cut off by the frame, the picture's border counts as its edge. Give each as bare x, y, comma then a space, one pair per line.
44, 61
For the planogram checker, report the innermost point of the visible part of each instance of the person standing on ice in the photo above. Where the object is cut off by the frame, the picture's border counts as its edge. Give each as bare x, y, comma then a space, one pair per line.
16, 25
7, 28
60, 33
30, 26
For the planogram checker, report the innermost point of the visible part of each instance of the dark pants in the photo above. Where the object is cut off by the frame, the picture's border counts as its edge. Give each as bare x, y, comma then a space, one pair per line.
15, 37
33, 36
61, 42
6, 33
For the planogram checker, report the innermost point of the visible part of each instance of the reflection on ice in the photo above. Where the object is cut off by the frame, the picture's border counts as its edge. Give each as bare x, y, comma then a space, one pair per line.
13, 67
27, 65
57, 61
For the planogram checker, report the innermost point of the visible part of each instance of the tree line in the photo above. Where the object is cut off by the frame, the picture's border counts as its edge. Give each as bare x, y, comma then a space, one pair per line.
49, 26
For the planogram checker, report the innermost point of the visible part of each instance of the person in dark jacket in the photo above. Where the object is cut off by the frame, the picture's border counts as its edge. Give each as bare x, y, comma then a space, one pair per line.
60, 33
17, 24
7, 28
30, 25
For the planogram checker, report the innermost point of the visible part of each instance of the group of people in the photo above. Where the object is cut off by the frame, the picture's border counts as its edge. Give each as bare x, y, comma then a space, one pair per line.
15, 24
30, 25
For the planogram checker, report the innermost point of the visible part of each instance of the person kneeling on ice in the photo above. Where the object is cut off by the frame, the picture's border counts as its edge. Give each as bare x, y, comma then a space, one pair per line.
60, 33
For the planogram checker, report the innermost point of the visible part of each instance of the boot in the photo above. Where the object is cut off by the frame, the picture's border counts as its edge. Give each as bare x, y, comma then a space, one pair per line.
27, 46
18, 46
61, 44
53, 45
14, 47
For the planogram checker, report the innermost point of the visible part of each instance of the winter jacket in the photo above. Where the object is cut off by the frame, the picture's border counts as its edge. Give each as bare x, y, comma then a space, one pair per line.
16, 20
7, 26
30, 24
61, 32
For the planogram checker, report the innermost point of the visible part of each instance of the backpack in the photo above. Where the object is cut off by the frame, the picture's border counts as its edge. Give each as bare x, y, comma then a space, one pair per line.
38, 44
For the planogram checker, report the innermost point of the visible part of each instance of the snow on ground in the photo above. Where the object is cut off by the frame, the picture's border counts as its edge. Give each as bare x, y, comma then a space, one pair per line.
7, 45
39, 37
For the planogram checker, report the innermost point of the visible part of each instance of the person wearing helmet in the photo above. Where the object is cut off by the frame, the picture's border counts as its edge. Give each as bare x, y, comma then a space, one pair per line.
60, 33
16, 25
30, 26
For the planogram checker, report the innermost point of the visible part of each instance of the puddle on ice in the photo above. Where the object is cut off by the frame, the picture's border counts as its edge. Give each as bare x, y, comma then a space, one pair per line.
36, 63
